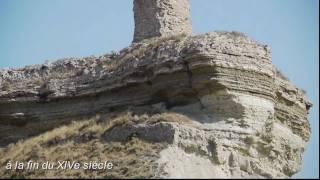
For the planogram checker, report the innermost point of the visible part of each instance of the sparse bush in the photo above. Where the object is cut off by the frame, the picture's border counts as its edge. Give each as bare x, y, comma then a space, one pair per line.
249, 140
114, 54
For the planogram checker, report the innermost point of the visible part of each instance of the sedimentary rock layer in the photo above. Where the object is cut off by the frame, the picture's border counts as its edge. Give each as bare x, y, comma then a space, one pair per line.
224, 82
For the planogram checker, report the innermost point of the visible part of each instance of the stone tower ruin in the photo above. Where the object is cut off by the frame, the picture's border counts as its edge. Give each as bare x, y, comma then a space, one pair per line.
161, 18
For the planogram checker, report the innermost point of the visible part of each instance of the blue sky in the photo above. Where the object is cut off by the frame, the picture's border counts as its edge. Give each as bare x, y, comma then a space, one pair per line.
32, 31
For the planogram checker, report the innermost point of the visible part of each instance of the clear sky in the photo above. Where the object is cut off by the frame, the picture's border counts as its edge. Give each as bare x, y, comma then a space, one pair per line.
32, 31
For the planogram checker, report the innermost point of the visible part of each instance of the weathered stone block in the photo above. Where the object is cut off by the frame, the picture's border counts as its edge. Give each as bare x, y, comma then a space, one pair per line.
160, 18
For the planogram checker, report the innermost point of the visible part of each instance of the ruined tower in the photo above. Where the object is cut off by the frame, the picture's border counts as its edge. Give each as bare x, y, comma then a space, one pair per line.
161, 18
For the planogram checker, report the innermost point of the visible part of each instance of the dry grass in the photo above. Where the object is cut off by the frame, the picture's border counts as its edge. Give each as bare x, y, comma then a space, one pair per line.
130, 118
232, 34
82, 141
110, 64
169, 117
138, 51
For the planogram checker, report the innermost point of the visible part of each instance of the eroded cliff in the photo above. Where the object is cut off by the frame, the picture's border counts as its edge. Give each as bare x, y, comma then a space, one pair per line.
241, 117
172, 104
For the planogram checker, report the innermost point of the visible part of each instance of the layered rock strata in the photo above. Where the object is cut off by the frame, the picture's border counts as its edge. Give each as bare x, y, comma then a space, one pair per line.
247, 119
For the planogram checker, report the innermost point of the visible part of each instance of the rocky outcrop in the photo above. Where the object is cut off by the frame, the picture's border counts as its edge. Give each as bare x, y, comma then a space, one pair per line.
224, 82
178, 71
244, 118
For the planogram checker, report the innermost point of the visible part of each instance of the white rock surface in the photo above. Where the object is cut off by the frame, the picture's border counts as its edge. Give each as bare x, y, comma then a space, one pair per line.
179, 164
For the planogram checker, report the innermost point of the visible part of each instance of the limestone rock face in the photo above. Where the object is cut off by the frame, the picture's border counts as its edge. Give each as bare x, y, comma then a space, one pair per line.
205, 106
245, 119
161, 18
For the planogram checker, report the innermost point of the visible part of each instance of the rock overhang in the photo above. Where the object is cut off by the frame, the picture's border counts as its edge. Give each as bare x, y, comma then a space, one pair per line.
223, 81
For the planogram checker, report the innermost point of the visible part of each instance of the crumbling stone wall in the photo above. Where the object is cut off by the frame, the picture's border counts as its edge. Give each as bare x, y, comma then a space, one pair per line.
159, 18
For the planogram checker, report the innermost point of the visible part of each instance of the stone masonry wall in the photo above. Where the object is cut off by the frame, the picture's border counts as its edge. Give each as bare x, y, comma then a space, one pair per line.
159, 18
